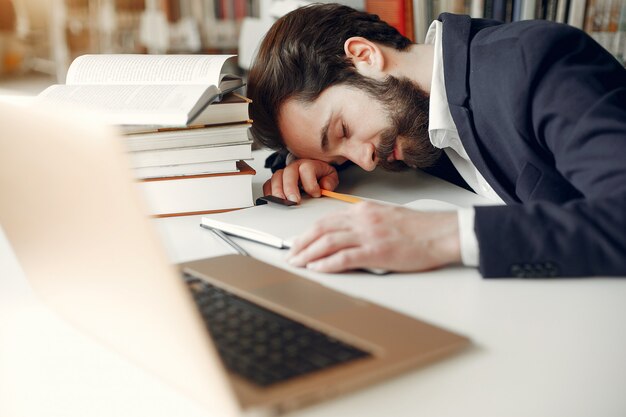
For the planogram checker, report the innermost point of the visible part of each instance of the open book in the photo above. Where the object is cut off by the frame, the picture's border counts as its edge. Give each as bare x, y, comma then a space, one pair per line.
231, 109
164, 90
277, 226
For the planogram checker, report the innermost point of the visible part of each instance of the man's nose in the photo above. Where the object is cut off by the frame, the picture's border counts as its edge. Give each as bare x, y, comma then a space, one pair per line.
364, 155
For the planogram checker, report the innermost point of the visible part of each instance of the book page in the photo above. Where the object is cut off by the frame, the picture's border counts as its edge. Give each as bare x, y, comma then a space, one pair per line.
133, 104
147, 69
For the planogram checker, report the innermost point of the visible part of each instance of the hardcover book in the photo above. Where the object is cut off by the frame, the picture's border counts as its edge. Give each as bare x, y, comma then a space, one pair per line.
199, 194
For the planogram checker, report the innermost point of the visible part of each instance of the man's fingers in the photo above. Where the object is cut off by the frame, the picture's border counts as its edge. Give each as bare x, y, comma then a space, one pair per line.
327, 176
308, 179
276, 184
285, 183
324, 246
267, 187
291, 180
329, 182
344, 260
330, 223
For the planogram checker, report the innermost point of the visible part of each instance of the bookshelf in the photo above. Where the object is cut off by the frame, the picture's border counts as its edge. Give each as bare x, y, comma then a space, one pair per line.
114, 26
46, 35
604, 20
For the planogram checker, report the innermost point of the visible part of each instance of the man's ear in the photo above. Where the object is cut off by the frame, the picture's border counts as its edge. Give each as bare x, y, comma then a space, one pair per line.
367, 57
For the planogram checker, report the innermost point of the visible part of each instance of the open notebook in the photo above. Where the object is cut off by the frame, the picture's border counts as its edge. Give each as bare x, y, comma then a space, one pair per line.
276, 225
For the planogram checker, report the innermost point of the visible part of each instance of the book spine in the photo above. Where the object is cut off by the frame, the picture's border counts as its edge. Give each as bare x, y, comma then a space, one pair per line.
508, 10
409, 20
551, 7
612, 24
477, 8
539, 8
561, 11
499, 10
421, 19
517, 10
528, 9
576, 15
488, 12
620, 45
591, 24
391, 11
435, 9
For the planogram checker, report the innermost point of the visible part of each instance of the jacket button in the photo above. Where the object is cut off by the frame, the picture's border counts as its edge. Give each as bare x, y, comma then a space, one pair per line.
517, 271
551, 269
530, 271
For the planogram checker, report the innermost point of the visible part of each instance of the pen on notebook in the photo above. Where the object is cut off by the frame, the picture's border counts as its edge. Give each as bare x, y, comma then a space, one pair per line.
245, 233
343, 197
227, 240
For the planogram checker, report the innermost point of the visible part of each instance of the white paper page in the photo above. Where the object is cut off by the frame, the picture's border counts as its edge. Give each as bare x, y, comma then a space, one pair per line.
281, 221
146, 69
284, 222
289, 222
426, 204
131, 104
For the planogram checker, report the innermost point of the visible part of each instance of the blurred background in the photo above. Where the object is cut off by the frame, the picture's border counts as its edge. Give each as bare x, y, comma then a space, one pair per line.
40, 38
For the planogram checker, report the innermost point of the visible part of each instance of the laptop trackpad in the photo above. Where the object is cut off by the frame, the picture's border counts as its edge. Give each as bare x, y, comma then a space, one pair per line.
307, 297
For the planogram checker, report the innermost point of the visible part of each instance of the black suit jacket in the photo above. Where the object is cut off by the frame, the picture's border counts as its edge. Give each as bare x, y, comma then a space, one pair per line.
541, 110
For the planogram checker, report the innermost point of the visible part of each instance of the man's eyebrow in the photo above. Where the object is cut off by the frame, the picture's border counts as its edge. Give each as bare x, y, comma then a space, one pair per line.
324, 135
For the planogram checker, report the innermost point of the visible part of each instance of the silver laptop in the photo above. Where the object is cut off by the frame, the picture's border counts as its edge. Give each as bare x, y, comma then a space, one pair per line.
237, 335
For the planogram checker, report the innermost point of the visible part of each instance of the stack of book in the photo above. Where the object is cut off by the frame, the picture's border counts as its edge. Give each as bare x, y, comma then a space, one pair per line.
196, 169
185, 128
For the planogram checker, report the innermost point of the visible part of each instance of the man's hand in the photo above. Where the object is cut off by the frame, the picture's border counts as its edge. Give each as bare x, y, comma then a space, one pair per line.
310, 173
370, 235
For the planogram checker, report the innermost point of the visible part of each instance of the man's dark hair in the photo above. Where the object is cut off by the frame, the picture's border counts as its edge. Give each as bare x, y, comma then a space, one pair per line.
302, 55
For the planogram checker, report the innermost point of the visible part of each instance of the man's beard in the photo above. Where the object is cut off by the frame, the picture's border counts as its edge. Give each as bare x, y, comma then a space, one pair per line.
407, 110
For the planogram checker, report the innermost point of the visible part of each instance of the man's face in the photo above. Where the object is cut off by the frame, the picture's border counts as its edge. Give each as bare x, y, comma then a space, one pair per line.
370, 123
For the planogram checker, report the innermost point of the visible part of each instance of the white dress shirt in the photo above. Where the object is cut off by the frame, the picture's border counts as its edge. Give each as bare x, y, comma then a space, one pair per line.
444, 135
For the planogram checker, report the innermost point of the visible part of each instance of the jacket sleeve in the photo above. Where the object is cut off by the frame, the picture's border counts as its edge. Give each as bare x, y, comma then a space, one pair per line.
577, 99
277, 160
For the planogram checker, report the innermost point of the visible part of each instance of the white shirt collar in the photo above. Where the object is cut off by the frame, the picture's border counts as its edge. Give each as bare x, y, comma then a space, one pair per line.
441, 126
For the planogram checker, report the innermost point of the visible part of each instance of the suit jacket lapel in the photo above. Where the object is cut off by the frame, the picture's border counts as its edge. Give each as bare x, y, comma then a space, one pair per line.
456, 39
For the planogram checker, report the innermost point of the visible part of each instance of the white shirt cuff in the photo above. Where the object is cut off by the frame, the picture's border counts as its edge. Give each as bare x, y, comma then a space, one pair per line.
467, 236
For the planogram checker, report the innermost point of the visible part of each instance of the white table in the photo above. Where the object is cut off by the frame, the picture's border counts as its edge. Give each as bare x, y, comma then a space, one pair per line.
540, 347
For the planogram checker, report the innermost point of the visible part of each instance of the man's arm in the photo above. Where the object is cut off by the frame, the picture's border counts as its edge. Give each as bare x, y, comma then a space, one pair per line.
581, 238
577, 108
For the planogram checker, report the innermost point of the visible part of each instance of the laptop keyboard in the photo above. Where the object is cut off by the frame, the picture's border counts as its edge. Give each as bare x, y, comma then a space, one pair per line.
260, 345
